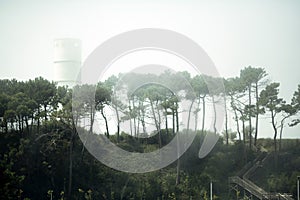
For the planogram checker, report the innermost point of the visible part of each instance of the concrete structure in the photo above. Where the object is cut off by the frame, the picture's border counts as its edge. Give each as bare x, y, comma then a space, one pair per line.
67, 61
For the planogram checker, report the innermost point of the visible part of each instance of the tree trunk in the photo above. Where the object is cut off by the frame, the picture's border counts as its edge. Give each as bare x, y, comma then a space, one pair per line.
92, 116
159, 117
130, 111
45, 109
154, 116
256, 114
196, 114
226, 123
27, 125
250, 115
106, 123
275, 130
173, 120
31, 125
38, 122
275, 138
134, 117
143, 120
118, 122
166, 116
138, 116
280, 137
19, 119
237, 124
156, 123
215, 114
243, 125
244, 133
177, 118
281, 130
203, 115
159, 126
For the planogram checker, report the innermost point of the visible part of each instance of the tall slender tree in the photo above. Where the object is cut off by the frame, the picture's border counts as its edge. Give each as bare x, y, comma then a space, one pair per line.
201, 91
102, 99
270, 100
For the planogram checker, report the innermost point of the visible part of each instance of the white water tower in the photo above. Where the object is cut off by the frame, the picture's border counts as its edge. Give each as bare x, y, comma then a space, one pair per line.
67, 61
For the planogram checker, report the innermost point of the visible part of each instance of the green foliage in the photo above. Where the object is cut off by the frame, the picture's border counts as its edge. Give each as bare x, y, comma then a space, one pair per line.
40, 151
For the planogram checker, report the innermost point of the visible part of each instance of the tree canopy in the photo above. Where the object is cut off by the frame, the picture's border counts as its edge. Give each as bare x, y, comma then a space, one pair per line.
43, 157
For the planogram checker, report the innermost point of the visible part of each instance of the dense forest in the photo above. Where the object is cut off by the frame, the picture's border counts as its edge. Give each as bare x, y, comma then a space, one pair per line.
43, 157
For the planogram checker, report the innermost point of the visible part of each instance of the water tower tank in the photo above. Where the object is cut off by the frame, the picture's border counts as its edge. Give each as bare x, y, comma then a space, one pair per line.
67, 61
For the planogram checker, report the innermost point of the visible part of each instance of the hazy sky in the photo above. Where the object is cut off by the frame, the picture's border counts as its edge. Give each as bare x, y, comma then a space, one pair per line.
235, 34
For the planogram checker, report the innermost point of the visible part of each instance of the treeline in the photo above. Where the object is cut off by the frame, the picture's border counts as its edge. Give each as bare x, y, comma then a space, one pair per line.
41, 151
24, 104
